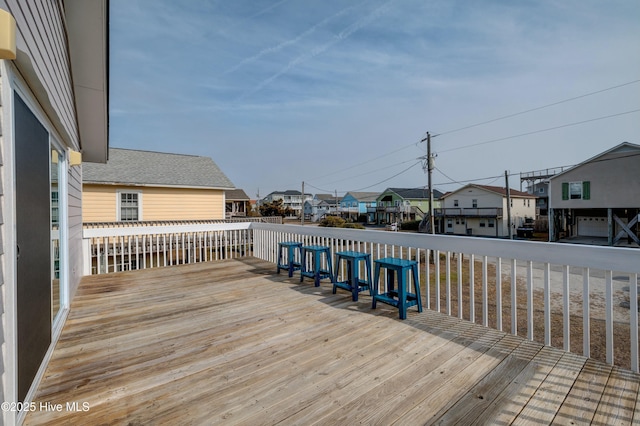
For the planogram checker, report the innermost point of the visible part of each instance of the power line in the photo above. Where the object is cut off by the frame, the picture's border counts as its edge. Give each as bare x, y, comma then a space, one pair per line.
367, 187
538, 108
369, 161
539, 131
382, 181
368, 173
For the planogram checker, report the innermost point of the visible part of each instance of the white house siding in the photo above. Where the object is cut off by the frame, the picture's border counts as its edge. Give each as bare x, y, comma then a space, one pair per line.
43, 61
521, 208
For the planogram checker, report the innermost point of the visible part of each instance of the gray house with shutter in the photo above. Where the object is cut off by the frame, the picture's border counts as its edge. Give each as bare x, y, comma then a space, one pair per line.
598, 200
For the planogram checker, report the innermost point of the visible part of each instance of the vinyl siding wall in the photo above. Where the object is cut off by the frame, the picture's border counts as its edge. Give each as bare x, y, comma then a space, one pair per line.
100, 203
614, 182
44, 62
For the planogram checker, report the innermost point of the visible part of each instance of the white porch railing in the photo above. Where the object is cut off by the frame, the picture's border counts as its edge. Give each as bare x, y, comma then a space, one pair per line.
578, 284
116, 249
573, 279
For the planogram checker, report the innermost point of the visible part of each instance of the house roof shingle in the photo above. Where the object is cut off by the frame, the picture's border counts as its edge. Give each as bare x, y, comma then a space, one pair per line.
236, 195
415, 193
133, 167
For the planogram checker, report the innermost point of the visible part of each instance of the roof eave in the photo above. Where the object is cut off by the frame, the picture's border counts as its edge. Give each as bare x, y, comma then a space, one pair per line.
87, 23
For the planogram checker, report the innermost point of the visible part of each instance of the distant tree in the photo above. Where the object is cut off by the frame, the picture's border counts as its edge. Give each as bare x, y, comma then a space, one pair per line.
275, 208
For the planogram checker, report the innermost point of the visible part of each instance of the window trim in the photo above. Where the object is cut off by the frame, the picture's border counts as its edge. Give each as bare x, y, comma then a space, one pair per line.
119, 193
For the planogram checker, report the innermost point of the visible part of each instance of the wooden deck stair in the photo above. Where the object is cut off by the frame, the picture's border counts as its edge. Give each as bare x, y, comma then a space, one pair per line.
231, 342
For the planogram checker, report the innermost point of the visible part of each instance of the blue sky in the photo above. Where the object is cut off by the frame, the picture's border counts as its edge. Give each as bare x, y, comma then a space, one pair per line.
339, 93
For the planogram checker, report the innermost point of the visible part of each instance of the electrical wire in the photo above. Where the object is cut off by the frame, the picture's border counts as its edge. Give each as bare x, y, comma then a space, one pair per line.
537, 108
367, 187
538, 131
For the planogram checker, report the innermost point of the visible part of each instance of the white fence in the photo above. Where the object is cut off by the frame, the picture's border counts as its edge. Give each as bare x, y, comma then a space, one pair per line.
140, 247
582, 285
547, 268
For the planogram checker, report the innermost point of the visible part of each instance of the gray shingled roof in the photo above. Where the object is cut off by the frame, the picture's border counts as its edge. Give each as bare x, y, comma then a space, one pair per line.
415, 193
132, 167
236, 195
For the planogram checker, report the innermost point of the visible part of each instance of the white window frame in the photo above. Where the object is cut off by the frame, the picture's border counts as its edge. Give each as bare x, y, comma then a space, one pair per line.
119, 192
573, 185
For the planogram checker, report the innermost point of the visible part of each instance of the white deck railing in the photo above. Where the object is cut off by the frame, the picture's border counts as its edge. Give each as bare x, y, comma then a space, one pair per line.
116, 249
581, 284
571, 278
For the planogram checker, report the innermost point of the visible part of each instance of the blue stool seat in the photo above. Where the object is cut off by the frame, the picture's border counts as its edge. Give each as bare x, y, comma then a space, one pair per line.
315, 271
353, 283
399, 298
291, 263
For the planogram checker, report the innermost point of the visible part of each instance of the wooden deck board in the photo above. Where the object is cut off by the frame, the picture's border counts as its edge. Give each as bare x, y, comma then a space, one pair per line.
231, 342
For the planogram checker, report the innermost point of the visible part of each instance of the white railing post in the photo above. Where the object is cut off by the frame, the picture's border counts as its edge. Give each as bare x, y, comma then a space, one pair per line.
547, 304
609, 314
586, 314
566, 325
633, 312
514, 298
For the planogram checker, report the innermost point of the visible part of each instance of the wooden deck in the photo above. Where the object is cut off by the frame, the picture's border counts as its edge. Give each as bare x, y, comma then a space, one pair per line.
232, 343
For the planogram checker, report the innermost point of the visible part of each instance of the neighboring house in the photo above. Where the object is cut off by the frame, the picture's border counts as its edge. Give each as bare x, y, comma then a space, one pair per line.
320, 206
356, 204
482, 210
401, 204
290, 198
153, 186
599, 197
237, 203
541, 191
53, 109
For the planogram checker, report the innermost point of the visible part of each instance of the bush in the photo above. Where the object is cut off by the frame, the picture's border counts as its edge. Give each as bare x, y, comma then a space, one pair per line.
338, 222
332, 222
411, 225
353, 226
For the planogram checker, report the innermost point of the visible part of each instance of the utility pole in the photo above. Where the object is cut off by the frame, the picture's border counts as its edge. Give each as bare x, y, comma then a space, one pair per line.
429, 170
506, 179
302, 207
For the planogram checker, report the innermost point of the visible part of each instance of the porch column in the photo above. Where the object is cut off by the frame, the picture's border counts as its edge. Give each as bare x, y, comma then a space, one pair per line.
551, 224
610, 226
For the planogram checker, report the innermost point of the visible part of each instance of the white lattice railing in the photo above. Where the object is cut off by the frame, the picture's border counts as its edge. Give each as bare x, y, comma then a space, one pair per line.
497, 283
140, 247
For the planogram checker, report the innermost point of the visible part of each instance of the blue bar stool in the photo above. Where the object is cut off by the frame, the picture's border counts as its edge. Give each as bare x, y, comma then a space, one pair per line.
316, 272
291, 264
353, 283
400, 298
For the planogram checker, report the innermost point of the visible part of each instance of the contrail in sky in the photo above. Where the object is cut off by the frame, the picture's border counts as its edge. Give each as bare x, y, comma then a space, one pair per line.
343, 35
286, 43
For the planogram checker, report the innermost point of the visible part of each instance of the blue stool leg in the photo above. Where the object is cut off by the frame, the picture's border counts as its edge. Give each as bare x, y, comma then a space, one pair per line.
290, 259
376, 279
416, 282
367, 262
279, 260
402, 293
329, 265
353, 277
334, 278
303, 263
316, 268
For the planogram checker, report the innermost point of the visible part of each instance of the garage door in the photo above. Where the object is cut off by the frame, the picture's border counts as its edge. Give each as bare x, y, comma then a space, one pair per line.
593, 227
